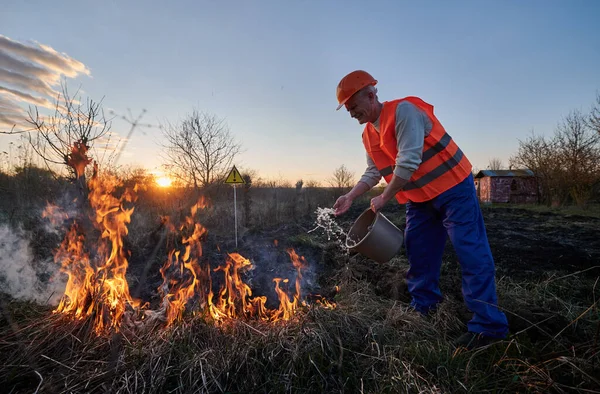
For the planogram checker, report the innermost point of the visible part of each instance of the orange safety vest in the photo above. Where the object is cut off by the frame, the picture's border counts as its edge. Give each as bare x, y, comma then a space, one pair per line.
443, 164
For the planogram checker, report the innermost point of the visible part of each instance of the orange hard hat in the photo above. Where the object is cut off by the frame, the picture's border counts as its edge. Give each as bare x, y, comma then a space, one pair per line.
351, 84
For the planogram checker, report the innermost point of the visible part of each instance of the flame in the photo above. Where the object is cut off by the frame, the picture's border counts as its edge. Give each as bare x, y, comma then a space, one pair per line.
235, 297
183, 279
78, 158
75, 263
299, 262
325, 303
287, 308
93, 257
181, 275
96, 285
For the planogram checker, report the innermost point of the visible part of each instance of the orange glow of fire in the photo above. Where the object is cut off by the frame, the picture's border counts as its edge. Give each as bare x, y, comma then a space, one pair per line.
96, 265
181, 273
235, 300
183, 279
96, 285
78, 158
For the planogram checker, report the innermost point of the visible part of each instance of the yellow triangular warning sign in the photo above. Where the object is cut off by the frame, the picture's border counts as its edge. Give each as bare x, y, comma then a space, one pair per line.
234, 177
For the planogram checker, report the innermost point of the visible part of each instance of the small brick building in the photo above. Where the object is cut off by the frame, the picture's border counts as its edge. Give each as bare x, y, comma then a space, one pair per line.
506, 186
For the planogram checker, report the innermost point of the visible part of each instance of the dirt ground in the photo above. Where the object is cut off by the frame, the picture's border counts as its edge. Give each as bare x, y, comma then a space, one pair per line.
526, 243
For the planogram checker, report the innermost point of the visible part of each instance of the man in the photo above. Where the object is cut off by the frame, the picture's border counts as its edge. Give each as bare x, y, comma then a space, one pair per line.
425, 169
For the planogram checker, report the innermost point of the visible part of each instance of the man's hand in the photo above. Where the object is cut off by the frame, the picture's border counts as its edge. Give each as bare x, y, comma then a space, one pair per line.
342, 204
378, 202
389, 192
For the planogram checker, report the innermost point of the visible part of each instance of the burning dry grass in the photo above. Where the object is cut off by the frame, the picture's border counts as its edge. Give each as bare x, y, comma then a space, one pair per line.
366, 344
96, 267
320, 350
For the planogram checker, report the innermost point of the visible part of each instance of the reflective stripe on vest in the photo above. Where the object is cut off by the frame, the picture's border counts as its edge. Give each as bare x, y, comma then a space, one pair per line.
436, 172
428, 154
437, 148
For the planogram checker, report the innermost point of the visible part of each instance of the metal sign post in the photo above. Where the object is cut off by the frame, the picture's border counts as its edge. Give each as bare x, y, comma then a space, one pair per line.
235, 212
235, 178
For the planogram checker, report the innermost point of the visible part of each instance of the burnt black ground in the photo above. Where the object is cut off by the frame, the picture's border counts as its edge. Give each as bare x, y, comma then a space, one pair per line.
525, 244
528, 246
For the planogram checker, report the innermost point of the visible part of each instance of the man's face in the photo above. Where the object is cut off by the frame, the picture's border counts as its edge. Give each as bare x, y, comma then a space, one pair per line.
360, 106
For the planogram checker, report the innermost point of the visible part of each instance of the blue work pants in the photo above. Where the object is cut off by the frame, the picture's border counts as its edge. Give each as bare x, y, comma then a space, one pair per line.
455, 214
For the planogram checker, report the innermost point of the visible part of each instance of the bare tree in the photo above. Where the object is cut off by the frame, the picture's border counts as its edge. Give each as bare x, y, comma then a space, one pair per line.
199, 150
311, 183
578, 149
593, 120
69, 132
567, 165
495, 164
342, 178
539, 155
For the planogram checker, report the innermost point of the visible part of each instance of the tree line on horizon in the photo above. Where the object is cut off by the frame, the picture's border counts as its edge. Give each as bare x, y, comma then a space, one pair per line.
199, 150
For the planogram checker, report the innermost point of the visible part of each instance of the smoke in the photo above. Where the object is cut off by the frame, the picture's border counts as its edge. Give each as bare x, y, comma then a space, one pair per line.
57, 215
23, 278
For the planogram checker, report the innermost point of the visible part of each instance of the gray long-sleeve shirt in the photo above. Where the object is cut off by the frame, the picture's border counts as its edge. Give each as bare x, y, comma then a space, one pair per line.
412, 126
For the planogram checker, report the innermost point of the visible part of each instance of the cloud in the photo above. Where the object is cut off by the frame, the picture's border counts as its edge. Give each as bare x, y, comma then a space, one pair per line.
10, 113
25, 82
59, 63
10, 63
20, 96
8, 121
30, 74
9, 106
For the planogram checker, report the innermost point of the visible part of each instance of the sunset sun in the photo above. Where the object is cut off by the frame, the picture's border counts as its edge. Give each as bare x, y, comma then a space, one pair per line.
164, 181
